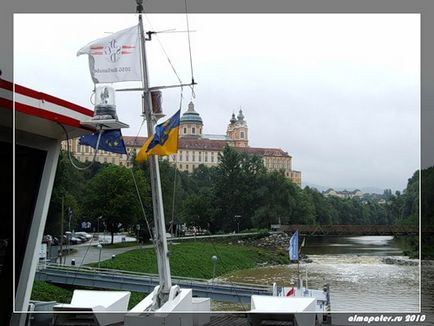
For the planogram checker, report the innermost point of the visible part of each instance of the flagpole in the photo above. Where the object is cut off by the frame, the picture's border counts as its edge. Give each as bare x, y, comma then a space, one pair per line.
159, 236
298, 266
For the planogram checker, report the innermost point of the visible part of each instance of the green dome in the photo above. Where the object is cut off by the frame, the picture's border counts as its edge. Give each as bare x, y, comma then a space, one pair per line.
191, 115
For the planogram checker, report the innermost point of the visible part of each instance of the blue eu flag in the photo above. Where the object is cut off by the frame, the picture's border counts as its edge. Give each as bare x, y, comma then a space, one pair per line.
111, 141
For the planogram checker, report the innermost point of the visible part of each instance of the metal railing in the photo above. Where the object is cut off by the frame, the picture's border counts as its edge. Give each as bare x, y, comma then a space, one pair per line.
145, 282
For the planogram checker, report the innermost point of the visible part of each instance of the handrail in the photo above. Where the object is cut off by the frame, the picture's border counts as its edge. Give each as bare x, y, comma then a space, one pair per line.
120, 273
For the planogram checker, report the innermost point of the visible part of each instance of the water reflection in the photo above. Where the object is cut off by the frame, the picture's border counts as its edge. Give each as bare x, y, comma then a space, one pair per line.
365, 245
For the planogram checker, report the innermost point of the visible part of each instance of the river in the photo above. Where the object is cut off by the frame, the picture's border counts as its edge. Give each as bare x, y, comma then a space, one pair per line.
354, 267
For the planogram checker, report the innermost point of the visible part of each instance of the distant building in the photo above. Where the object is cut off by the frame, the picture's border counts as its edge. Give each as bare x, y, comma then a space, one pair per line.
343, 194
196, 148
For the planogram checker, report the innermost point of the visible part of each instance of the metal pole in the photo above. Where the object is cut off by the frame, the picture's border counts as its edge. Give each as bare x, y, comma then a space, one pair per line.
99, 258
61, 232
214, 262
159, 222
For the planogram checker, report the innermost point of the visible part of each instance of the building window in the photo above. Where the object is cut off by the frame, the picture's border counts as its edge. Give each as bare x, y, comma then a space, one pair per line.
193, 130
185, 131
186, 167
186, 156
194, 156
242, 134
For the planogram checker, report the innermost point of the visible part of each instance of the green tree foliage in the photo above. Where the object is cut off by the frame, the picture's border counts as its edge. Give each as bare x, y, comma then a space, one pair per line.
238, 194
112, 194
69, 184
427, 197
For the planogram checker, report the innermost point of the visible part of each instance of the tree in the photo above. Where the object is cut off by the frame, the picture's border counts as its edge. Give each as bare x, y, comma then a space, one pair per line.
273, 197
237, 180
410, 205
69, 185
112, 194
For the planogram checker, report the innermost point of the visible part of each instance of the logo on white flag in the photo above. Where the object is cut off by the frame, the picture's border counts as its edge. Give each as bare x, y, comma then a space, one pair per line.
115, 58
112, 51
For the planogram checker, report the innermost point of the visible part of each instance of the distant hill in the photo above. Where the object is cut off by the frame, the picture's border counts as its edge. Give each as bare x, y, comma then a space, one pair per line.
368, 190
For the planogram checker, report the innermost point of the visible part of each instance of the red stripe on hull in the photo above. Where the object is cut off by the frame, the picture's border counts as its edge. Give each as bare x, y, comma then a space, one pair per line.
5, 103
45, 97
27, 109
6, 85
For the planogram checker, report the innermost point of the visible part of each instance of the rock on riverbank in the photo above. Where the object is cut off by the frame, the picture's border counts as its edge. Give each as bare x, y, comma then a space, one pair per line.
399, 261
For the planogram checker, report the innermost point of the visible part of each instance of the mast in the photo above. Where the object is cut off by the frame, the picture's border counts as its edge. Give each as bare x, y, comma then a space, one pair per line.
159, 235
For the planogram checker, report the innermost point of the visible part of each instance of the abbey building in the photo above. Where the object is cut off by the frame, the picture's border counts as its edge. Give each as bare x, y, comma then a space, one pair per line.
196, 148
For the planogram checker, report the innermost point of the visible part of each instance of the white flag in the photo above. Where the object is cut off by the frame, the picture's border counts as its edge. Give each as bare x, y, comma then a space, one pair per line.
115, 58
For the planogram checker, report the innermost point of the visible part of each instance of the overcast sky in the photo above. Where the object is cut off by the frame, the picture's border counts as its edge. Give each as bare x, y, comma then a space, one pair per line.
339, 92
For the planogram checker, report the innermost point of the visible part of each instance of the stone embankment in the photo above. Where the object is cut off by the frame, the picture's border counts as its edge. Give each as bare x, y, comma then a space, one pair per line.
399, 261
406, 262
275, 241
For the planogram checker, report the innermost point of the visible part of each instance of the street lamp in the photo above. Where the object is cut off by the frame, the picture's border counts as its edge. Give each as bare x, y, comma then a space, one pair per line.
99, 258
68, 242
97, 229
237, 218
214, 263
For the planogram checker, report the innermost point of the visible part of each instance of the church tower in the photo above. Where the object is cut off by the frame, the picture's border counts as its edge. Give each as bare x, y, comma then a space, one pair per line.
237, 130
191, 123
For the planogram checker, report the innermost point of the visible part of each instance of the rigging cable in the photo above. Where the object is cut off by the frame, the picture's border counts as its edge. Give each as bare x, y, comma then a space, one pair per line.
181, 97
69, 152
135, 183
164, 51
189, 50
173, 198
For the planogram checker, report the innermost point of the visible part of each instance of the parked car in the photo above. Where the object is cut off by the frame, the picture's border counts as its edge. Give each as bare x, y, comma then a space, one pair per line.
72, 240
83, 235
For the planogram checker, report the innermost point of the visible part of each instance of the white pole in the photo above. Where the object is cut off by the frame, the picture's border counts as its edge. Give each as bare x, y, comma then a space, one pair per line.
159, 222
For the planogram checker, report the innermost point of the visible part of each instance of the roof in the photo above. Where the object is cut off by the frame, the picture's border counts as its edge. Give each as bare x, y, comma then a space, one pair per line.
264, 151
211, 145
39, 113
191, 115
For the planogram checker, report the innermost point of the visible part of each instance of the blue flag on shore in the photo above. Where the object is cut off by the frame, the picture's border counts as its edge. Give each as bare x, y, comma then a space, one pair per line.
293, 247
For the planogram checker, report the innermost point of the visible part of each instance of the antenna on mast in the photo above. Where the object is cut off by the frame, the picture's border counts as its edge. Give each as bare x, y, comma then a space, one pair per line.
139, 8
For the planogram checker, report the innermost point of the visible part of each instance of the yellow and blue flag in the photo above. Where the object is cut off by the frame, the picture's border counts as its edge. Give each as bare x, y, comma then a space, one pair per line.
164, 141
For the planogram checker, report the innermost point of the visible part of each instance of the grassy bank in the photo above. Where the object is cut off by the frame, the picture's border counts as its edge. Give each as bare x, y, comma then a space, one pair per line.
193, 259
188, 259
43, 291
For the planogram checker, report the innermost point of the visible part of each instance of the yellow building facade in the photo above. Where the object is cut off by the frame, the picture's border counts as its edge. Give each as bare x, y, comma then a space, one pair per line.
196, 148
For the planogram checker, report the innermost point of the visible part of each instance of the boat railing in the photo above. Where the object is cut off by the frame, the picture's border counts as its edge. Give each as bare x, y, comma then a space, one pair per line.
181, 280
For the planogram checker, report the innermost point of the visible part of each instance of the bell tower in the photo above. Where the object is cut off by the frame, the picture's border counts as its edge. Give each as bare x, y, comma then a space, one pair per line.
237, 130
191, 123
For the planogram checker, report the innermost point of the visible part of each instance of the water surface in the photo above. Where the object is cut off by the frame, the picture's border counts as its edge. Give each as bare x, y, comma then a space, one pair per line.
359, 279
